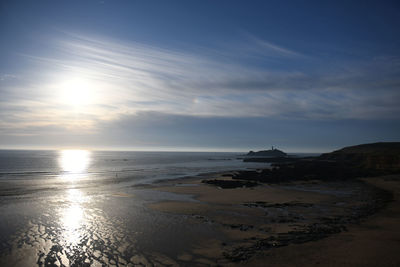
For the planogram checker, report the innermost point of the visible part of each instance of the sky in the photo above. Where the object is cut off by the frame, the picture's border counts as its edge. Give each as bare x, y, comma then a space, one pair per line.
303, 76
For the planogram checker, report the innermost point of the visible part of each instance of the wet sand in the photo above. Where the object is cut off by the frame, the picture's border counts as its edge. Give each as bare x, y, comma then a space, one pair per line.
295, 224
188, 223
374, 242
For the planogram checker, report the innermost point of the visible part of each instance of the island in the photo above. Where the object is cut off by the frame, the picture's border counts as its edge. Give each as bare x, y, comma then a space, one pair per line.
271, 153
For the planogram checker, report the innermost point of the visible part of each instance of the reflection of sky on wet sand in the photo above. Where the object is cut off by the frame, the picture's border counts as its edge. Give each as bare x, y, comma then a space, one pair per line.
79, 226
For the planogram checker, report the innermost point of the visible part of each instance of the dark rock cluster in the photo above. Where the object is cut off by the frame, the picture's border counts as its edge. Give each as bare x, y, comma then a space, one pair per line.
230, 183
305, 170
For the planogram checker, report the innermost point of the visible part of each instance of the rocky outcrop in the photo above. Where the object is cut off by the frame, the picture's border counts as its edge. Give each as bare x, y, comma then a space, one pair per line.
346, 163
230, 183
272, 153
271, 160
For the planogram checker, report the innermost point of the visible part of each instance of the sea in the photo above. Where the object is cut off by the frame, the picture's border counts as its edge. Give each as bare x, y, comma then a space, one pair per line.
29, 172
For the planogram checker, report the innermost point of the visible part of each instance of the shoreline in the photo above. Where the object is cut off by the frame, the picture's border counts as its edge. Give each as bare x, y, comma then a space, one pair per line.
210, 226
250, 232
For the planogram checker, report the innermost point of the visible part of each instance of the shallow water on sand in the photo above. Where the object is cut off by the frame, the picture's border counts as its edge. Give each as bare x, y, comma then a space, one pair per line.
81, 208
82, 227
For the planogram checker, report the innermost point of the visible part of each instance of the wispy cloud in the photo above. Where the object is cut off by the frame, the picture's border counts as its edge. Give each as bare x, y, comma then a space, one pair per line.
272, 49
127, 78
6, 76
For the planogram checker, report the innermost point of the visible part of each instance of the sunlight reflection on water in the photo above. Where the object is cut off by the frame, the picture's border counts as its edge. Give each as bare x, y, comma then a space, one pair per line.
73, 216
72, 220
74, 164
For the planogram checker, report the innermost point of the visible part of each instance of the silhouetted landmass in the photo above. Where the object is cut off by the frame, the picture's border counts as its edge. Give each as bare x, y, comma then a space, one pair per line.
347, 163
272, 153
304, 170
271, 160
383, 157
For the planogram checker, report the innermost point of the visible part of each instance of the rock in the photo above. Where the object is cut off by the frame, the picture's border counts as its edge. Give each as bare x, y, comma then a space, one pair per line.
273, 153
230, 183
270, 159
137, 259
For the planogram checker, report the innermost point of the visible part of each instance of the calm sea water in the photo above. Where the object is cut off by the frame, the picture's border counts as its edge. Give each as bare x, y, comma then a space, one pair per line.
33, 171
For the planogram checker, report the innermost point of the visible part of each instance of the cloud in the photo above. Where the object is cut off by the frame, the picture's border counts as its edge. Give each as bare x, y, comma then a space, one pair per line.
270, 49
6, 76
126, 78
162, 131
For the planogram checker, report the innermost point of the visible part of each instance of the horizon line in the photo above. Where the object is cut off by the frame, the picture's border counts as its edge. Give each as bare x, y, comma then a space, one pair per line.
167, 149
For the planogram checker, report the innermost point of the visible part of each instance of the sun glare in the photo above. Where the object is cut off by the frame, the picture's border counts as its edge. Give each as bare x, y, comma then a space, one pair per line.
74, 163
76, 92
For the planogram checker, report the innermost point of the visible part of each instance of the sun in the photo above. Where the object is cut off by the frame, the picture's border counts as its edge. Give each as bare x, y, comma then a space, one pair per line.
76, 92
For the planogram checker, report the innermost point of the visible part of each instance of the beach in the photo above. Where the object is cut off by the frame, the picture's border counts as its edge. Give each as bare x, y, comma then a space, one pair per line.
122, 216
199, 133
373, 242
296, 224
88, 208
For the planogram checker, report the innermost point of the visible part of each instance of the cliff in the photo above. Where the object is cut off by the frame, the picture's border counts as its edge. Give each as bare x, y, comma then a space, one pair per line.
375, 156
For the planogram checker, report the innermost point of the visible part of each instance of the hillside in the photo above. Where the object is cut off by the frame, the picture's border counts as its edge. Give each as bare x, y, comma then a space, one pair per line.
378, 156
